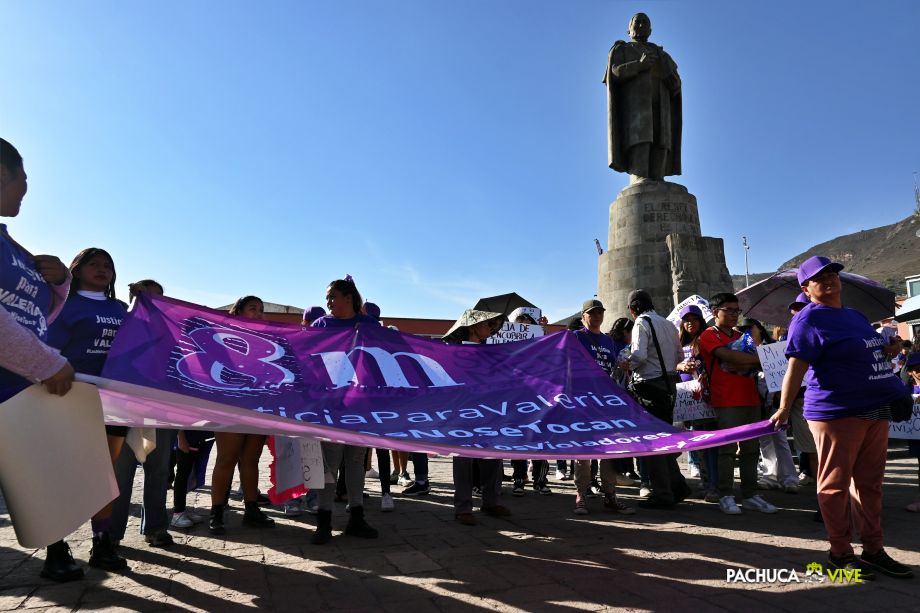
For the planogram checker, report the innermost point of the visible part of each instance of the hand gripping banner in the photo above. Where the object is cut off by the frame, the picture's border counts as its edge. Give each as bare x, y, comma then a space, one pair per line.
175, 364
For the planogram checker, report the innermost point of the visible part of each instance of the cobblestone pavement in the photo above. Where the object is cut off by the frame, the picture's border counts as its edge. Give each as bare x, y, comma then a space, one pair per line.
543, 558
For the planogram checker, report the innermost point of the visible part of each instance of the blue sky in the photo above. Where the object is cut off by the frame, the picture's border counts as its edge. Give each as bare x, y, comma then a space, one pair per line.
436, 151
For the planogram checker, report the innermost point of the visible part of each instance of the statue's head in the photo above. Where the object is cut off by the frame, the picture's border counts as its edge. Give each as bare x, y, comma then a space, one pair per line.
640, 27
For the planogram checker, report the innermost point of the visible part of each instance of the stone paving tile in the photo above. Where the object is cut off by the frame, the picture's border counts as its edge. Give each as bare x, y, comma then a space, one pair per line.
542, 558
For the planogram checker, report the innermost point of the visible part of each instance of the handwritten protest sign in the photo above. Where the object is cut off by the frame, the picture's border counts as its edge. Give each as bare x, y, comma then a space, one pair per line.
511, 332
298, 467
674, 316
907, 429
690, 404
774, 363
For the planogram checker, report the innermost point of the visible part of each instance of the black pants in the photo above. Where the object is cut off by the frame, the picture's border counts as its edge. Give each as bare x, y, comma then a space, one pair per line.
185, 464
540, 471
668, 484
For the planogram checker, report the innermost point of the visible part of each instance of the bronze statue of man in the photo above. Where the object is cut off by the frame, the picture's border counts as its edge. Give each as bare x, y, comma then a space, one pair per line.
643, 106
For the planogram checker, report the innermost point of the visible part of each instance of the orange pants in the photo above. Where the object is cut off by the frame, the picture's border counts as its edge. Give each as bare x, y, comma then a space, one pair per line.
851, 466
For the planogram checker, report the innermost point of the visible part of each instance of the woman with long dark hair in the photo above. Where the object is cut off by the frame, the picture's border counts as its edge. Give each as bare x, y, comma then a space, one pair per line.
84, 332
344, 304
234, 449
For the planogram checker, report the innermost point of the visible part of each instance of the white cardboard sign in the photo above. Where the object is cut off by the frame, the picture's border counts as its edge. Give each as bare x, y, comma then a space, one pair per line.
690, 404
774, 363
907, 429
298, 461
512, 332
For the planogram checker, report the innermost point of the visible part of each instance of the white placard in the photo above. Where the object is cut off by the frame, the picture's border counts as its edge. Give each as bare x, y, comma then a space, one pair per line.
690, 404
512, 332
907, 429
674, 316
54, 448
774, 363
298, 461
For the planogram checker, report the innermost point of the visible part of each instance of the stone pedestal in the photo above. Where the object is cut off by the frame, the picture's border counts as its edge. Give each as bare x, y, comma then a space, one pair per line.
655, 243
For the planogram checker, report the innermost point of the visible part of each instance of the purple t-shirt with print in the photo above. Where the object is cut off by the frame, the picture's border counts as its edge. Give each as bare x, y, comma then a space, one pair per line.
27, 297
600, 346
84, 331
848, 373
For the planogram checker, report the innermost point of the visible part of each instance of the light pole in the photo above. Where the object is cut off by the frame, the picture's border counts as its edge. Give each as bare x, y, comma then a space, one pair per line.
747, 280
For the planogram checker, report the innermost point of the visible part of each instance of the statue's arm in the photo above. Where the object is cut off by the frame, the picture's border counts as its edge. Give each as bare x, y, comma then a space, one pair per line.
626, 70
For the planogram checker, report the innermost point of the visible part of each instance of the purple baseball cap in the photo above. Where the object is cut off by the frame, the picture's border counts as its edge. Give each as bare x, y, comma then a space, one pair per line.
801, 299
814, 266
372, 310
314, 313
692, 309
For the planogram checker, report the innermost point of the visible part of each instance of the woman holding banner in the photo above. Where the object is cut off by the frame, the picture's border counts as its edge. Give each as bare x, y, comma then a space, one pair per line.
851, 394
344, 303
237, 448
473, 328
41, 281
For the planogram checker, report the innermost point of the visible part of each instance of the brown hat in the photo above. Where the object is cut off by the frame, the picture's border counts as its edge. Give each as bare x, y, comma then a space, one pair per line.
590, 305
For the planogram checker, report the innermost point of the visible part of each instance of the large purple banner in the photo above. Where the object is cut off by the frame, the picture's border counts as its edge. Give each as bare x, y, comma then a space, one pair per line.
182, 365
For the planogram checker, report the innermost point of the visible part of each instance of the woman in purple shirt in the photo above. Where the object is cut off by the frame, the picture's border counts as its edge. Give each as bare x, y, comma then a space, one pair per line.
850, 390
39, 285
344, 303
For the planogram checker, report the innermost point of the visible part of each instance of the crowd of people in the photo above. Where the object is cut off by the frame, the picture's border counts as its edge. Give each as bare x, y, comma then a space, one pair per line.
58, 320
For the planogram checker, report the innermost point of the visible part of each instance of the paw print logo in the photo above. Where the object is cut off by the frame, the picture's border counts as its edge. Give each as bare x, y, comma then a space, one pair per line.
814, 572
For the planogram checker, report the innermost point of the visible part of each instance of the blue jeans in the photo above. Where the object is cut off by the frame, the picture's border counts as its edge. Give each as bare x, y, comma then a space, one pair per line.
156, 474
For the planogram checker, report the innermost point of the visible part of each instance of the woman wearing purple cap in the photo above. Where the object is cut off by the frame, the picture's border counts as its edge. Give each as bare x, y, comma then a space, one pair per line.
849, 396
692, 324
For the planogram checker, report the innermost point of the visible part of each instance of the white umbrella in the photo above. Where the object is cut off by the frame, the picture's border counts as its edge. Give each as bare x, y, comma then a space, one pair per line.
909, 310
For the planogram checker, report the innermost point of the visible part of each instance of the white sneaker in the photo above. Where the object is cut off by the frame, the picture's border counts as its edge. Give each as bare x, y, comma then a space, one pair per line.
386, 503
372, 474
756, 503
404, 480
805, 479
181, 520
694, 470
196, 516
729, 506
293, 508
645, 492
560, 475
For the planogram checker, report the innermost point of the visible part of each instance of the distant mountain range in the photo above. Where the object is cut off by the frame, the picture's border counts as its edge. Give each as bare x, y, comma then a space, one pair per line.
886, 254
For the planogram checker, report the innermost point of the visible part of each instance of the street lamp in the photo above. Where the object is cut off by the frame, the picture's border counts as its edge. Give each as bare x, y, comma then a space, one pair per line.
747, 280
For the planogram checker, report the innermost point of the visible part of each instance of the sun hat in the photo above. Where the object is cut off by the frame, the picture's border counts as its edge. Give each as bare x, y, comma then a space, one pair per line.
471, 317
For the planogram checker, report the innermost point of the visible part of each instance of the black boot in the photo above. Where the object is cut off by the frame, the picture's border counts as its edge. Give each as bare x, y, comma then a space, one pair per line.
323, 533
103, 554
253, 516
216, 523
357, 526
59, 564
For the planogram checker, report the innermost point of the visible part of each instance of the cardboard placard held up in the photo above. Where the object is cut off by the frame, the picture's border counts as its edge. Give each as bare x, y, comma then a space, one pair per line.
54, 448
